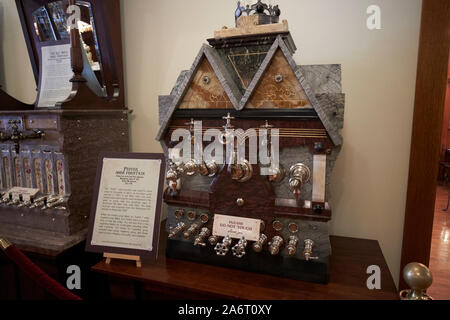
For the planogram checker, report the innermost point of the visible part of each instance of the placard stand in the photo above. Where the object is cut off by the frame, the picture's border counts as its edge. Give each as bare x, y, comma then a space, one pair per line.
110, 256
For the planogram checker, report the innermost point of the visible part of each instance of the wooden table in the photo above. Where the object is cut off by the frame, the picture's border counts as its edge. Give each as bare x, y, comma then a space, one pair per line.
176, 279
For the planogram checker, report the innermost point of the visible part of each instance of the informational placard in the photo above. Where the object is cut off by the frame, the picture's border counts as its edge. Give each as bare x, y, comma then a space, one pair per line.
55, 75
236, 227
126, 210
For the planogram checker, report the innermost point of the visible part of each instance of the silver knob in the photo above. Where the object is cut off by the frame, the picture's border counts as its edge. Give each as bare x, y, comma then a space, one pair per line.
200, 239
419, 278
180, 227
239, 249
213, 240
308, 251
275, 245
192, 229
292, 245
191, 168
223, 247
277, 174
258, 245
213, 168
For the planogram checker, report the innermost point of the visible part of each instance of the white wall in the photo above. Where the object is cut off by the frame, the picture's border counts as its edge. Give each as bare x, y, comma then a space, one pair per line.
161, 38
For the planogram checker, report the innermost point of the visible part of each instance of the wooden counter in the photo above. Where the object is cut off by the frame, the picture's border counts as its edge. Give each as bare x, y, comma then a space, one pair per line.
176, 279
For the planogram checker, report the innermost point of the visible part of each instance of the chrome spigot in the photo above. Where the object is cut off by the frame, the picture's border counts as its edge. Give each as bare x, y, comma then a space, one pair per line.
299, 176
223, 247
277, 174
307, 252
189, 232
275, 245
173, 232
239, 249
241, 172
54, 203
213, 240
292, 245
258, 245
200, 239
173, 178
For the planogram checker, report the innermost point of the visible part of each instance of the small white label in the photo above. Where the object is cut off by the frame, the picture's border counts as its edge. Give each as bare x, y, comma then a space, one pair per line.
236, 227
26, 193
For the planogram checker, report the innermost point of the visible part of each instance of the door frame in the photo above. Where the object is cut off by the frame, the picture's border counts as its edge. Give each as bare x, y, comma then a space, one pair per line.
431, 84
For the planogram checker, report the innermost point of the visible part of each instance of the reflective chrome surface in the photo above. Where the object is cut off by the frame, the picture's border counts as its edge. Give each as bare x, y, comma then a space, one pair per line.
223, 247
419, 278
200, 239
275, 245
239, 249
308, 251
258, 245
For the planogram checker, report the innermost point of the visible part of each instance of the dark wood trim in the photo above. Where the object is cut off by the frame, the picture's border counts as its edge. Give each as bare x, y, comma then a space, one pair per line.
427, 129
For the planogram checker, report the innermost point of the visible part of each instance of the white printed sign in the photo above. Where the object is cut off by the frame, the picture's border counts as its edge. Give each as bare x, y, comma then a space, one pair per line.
55, 85
236, 227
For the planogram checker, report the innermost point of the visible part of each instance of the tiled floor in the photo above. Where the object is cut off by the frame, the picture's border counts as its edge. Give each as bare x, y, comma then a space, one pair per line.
440, 248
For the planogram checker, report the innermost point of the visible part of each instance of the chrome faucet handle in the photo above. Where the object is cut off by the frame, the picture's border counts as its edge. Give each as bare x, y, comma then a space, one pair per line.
239, 249
189, 232
275, 245
299, 176
224, 247
200, 239
292, 245
173, 232
308, 251
258, 245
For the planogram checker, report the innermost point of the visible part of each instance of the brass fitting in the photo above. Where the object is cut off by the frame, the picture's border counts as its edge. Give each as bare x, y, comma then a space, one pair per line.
4, 244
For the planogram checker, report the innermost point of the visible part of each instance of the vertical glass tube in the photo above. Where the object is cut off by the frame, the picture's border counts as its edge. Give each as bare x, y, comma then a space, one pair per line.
61, 178
27, 170
8, 180
18, 173
38, 173
49, 177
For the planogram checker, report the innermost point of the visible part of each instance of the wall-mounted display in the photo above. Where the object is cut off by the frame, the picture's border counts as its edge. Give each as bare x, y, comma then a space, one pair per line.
53, 146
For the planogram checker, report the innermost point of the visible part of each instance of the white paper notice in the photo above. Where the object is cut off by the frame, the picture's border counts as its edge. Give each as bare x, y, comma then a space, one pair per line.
55, 85
236, 227
126, 207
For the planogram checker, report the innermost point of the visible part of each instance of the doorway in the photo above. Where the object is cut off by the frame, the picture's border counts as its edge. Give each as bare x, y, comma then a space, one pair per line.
431, 87
440, 242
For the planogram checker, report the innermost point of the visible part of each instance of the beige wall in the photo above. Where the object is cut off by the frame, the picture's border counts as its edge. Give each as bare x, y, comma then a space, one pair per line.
161, 38
16, 75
